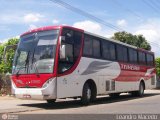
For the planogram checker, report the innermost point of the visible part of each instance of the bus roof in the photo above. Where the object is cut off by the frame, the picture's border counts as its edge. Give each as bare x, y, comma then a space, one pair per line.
108, 39
41, 29
50, 28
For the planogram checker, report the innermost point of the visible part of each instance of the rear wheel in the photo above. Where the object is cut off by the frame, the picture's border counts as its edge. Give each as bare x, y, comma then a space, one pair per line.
140, 92
86, 94
51, 101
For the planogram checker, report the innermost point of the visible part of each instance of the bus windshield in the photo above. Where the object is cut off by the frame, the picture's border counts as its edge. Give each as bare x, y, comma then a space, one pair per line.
36, 53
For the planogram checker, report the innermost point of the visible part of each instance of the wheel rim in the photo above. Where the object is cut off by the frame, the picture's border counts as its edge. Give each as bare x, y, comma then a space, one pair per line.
141, 89
89, 94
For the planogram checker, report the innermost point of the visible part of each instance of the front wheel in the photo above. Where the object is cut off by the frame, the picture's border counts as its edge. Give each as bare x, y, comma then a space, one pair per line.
86, 94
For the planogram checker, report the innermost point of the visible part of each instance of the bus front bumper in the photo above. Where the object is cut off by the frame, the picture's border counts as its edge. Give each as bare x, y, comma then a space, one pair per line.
49, 92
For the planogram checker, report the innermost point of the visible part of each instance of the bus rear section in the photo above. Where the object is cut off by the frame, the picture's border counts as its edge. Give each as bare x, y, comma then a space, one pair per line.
61, 61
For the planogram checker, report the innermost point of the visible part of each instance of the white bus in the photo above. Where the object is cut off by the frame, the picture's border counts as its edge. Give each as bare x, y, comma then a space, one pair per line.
65, 62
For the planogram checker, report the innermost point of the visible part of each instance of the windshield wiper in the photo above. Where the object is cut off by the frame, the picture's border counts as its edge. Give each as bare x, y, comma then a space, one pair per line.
35, 67
20, 68
34, 64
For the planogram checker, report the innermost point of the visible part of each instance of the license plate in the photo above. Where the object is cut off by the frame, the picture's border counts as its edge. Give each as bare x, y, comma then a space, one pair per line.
26, 96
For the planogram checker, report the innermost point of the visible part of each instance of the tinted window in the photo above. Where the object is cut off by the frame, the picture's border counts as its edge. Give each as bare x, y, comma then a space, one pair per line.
142, 58
105, 50
133, 57
108, 50
96, 48
122, 53
150, 60
77, 44
68, 36
112, 51
87, 46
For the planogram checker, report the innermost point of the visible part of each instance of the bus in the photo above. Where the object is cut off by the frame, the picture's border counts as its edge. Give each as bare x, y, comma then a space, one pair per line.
57, 62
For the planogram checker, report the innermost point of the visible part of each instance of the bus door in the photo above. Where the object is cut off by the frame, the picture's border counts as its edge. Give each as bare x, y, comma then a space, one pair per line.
69, 57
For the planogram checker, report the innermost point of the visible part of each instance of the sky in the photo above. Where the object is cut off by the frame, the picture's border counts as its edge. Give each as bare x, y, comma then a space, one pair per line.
134, 16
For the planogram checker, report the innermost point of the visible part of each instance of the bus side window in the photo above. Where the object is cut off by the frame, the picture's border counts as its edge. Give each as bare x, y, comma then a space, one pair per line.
88, 49
133, 56
112, 51
122, 55
142, 58
77, 44
96, 48
108, 50
150, 60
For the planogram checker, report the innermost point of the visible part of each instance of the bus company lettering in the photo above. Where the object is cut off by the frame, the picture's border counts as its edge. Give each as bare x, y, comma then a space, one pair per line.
130, 67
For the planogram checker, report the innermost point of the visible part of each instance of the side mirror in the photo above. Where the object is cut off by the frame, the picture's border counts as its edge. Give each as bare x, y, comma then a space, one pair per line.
66, 49
63, 39
62, 51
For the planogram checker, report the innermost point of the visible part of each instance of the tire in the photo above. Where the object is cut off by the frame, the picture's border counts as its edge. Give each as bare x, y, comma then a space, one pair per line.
86, 94
93, 96
114, 95
51, 101
140, 92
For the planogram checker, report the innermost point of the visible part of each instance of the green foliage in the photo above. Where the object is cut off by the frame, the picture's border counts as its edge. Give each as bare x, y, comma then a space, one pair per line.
135, 40
1, 52
158, 66
12, 41
6, 67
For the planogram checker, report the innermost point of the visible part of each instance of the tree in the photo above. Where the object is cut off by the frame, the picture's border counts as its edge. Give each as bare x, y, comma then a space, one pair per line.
1, 52
7, 66
158, 66
135, 40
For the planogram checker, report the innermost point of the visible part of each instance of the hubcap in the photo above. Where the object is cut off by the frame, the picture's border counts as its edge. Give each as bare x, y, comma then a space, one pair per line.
141, 89
88, 93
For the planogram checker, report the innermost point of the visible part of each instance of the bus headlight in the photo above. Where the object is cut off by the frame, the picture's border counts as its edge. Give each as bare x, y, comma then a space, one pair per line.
47, 83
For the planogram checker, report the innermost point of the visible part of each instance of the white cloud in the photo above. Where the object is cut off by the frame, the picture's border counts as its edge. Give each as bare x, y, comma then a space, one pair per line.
20, 18
55, 21
122, 23
93, 27
10, 19
4, 40
31, 27
88, 26
151, 32
32, 17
